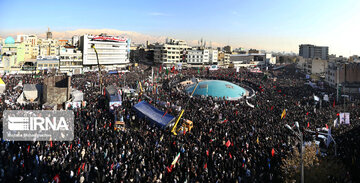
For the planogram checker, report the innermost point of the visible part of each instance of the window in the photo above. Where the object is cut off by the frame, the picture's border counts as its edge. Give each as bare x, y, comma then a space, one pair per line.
40, 65
45, 65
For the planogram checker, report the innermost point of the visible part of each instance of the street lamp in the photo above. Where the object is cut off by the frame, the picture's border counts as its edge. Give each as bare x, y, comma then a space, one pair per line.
300, 136
98, 63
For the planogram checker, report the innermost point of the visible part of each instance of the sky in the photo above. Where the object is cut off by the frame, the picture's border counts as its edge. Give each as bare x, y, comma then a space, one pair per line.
276, 25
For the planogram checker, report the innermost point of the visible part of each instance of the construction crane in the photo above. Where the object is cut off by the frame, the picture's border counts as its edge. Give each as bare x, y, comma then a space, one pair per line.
173, 130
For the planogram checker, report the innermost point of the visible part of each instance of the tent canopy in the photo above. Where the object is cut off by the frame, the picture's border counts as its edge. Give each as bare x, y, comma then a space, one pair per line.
2, 82
153, 114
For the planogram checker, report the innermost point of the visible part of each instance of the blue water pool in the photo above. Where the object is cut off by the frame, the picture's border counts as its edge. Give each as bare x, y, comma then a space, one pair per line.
218, 88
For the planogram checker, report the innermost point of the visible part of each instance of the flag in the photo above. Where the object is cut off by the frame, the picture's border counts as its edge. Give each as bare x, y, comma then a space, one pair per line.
70, 146
160, 68
51, 144
335, 122
112, 165
57, 178
230, 155
78, 172
176, 159
224, 121
307, 113
283, 114
205, 166
228, 143
173, 68
207, 152
167, 71
198, 70
327, 127
83, 166
28, 149
257, 140
334, 103
169, 169
272, 107
273, 152
164, 113
308, 125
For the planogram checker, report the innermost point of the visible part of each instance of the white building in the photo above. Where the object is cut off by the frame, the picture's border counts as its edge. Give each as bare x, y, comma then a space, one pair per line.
172, 52
202, 57
71, 60
21, 38
113, 52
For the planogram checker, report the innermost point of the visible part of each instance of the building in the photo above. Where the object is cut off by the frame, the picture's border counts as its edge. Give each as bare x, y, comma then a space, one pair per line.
56, 90
21, 38
112, 51
198, 57
227, 49
253, 51
312, 51
213, 57
344, 75
311, 66
48, 34
62, 42
48, 47
12, 55
253, 59
141, 53
75, 40
223, 58
71, 60
47, 63
172, 52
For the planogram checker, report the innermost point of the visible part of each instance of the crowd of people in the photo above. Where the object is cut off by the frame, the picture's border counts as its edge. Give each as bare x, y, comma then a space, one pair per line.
230, 142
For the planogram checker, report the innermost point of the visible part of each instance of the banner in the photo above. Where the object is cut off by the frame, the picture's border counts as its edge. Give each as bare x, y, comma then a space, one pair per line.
326, 98
347, 118
316, 98
342, 118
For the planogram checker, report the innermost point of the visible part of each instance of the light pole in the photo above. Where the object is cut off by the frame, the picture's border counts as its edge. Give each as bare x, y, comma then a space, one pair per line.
98, 63
300, 136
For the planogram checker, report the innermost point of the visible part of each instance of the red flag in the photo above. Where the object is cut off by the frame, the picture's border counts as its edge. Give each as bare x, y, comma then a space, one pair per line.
70, 146
104, 92
326, 126
51, 144
228, 143
272, 107
207, 152
110, 124
78, 172
83, 166
57, 178
139, 99
87, 128
173, 68
164, 113
337, 114
230, 155
334, 103
307, 113
112, 165
205, 166
184, 132
28, 149
308, 125
105, 125
160, 68
232, 144
273, 152
210, 130
89, 143
169, 169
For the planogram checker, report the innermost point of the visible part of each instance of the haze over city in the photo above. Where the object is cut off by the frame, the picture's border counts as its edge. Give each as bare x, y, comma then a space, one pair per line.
270, 25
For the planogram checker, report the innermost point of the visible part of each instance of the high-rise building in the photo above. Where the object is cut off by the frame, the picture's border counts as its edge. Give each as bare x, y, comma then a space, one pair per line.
112, 51
227, 49
172, 52
312, 51
48, 34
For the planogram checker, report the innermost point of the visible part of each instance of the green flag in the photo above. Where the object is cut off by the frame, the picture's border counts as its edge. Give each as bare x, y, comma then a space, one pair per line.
198, 70
167, 71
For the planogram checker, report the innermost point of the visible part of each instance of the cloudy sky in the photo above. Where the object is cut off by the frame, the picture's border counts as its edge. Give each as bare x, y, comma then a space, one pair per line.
276, 25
